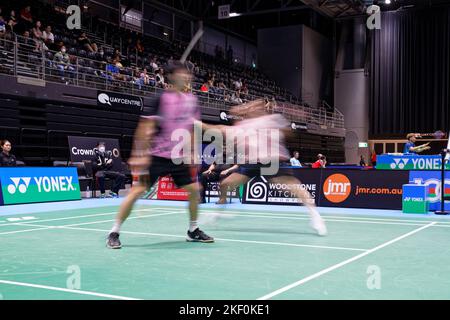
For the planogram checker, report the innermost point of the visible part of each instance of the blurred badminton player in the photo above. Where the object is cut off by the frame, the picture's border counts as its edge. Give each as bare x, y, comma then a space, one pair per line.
257, 116
152, 152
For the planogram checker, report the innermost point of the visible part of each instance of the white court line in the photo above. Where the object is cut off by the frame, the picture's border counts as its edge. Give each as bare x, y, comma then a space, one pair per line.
83, 216
44, 227
220, 239
325, 216
89, 293
343, 263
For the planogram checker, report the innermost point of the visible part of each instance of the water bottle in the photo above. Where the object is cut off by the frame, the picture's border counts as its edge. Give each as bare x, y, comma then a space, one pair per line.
88, 192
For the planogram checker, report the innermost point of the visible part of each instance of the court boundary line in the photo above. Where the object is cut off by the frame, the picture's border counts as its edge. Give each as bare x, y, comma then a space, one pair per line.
75, 217
44, 227
82, 292
342, 263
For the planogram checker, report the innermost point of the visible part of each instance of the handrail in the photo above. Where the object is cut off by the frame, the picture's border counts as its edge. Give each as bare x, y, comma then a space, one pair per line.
95, 74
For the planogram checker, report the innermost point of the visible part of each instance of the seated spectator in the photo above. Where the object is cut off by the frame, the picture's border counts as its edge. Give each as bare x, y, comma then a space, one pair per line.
153, 65
12, 21
237, 84
215, 173
294, 160
26, 40
26, 17
204, 87
190, 65
48, 37
160, 82
236, 98
101, 55
321, 162
6, 158
62, 61
103, 168
2, 27
38, 36
139, 47
145, 78
85, 43
362, 161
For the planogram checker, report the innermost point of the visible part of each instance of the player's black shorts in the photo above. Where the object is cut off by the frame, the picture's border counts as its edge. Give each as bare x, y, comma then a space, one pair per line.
254, 170
161, 167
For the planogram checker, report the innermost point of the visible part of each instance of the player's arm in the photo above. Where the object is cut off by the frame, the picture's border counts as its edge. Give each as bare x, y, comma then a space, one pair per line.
421, 148
141, 144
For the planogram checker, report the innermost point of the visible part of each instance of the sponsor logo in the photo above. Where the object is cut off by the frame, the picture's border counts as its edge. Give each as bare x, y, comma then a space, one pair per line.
337, 188
103, 98
111, 99
44, 184
257, 191
18, 186
399, 163
90, 152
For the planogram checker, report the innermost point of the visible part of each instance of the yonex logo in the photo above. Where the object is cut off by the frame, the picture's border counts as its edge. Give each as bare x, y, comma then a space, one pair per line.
399, 163
17, 185
43, 184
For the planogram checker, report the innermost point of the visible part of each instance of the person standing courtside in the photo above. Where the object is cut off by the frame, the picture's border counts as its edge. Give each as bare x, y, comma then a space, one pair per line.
6, 158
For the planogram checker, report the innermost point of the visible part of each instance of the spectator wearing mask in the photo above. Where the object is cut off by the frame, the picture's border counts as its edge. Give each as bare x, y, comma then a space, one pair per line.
103, 168
320, 162
294, 160
6, 158
62, 61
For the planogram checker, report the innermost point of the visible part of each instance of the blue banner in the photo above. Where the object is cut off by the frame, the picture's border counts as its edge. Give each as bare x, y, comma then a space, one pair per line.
28, 185
410, 162
432, 179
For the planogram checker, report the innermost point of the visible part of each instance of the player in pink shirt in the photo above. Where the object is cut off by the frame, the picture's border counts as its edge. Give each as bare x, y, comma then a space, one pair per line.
154, 153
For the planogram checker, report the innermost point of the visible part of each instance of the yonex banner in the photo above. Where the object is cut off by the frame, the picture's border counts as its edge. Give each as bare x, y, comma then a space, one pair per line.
82, 148
410, 162
119, 101
28, 185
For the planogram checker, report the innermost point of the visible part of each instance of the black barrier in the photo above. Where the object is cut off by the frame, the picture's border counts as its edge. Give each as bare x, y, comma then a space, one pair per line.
119, 101
82, 148
373, 189
261, 190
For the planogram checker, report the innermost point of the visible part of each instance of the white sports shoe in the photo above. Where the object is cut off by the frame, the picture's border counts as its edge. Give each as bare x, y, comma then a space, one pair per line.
318, 224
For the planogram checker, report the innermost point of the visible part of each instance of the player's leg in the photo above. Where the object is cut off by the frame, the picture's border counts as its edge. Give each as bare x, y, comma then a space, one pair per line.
231, 182
304, 197
126, 206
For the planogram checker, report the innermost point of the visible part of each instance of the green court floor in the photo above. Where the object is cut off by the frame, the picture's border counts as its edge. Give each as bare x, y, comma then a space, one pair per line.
257, 255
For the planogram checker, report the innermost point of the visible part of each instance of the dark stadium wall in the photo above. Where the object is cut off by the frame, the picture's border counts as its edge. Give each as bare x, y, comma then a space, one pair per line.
316, 67
280, 56
299, 59
410, 67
